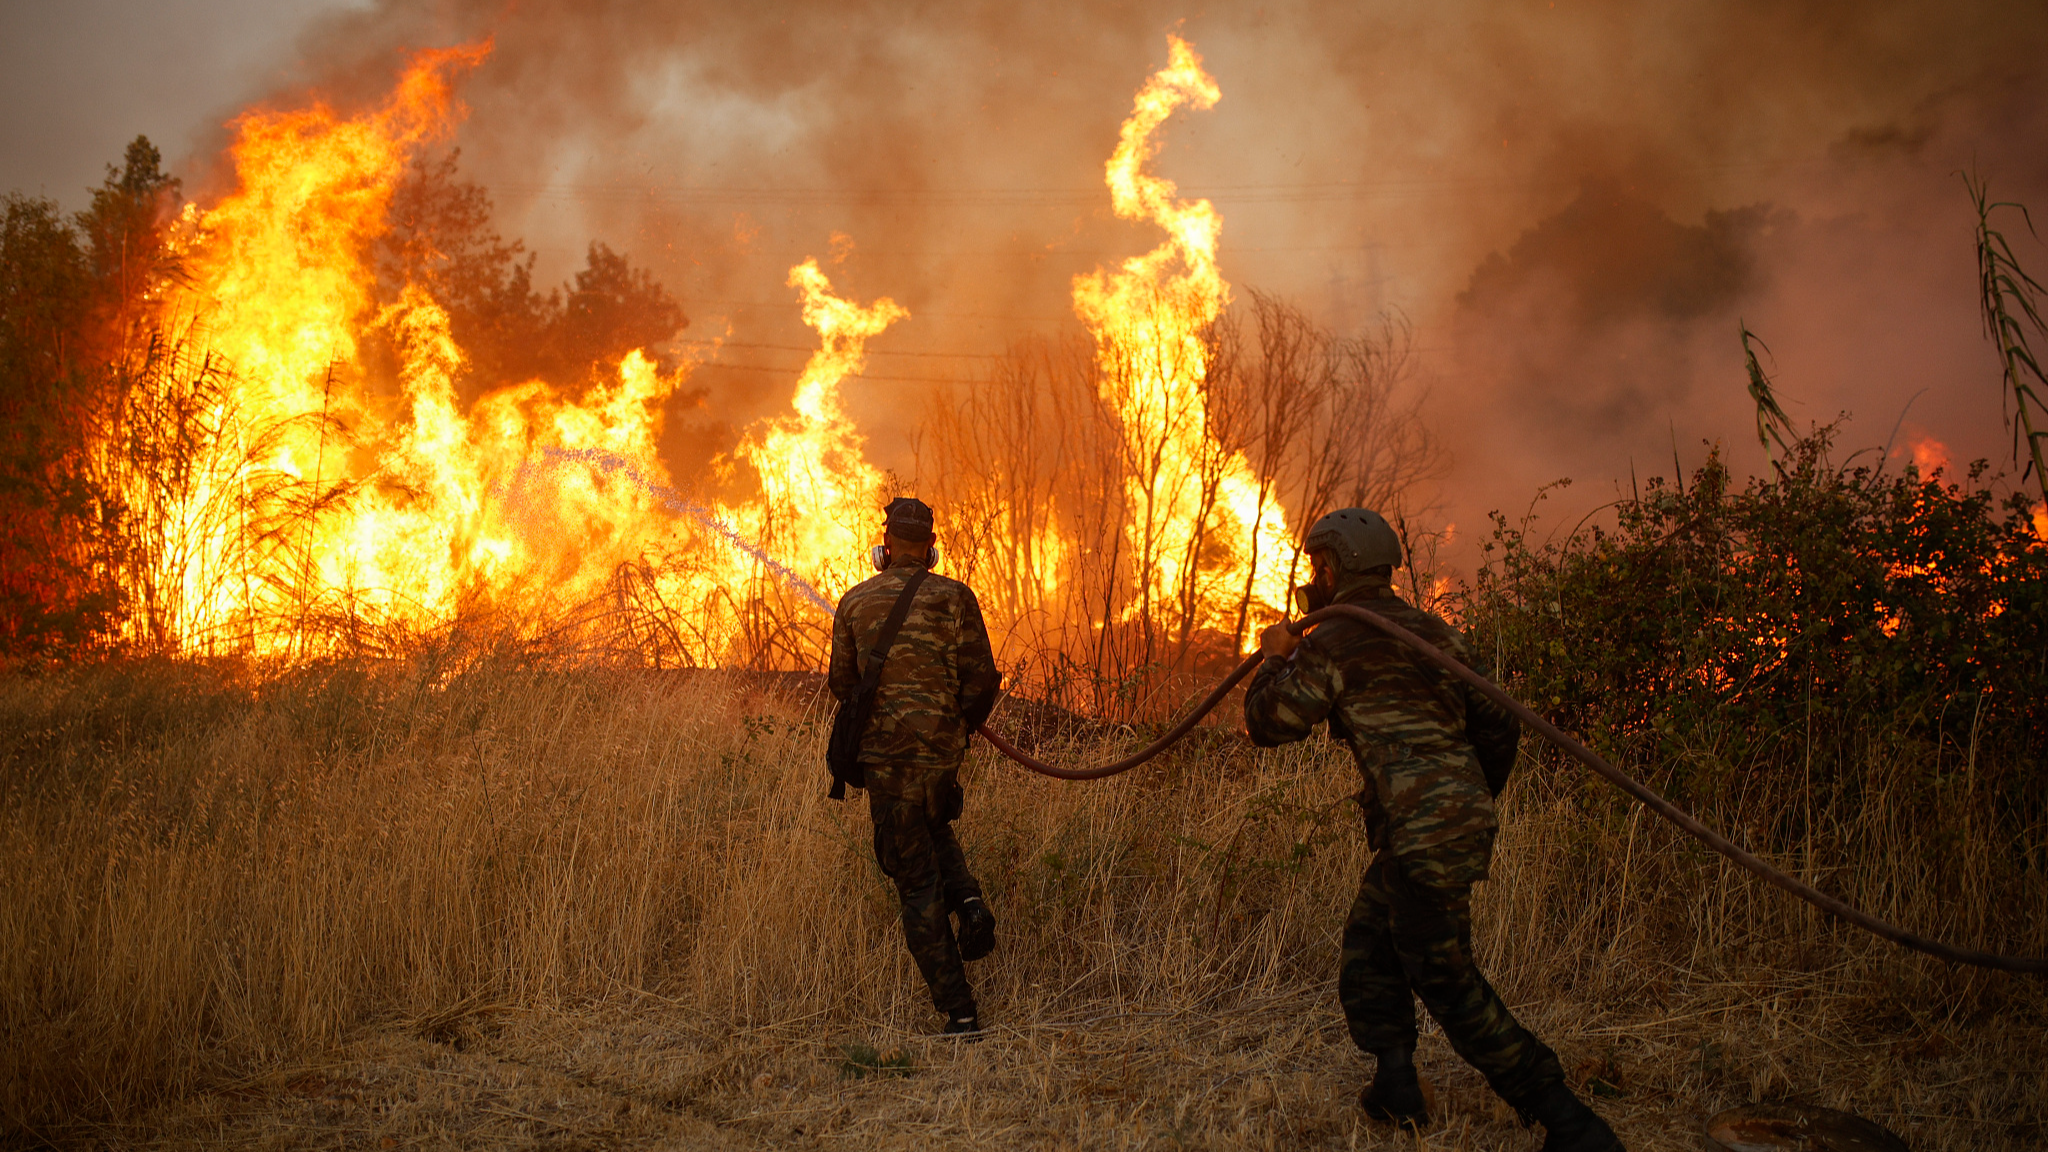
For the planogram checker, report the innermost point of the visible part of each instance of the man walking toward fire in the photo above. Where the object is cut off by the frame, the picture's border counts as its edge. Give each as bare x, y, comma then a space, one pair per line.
929, 686
1434, 753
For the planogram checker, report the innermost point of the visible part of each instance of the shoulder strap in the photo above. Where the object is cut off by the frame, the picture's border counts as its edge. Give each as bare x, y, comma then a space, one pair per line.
849, 724
886, 638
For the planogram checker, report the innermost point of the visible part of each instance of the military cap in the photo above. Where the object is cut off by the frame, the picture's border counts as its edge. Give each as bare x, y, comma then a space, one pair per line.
908, 518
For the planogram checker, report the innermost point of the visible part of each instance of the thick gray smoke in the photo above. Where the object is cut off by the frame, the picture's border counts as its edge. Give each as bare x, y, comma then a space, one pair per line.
1574, 202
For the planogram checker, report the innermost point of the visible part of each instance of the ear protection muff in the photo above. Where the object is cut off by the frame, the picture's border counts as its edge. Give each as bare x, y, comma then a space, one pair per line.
879, 557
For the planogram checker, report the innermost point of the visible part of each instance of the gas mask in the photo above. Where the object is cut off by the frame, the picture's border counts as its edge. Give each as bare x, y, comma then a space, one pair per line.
879, 557
1310, 598
1318, 593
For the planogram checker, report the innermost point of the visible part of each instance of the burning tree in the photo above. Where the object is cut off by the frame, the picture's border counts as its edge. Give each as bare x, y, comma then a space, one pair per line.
74, 301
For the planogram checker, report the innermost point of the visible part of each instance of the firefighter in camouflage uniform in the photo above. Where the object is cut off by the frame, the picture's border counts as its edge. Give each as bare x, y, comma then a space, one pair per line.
938, 683
1434, 753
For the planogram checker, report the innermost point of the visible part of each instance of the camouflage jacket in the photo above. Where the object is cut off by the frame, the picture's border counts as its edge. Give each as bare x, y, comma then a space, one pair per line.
940, 680
1418, 735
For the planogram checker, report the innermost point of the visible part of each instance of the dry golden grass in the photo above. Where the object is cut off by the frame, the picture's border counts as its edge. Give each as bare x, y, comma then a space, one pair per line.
380, 907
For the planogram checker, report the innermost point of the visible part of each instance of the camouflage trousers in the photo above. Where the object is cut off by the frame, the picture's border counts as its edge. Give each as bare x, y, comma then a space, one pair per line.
1410, 934
914, 810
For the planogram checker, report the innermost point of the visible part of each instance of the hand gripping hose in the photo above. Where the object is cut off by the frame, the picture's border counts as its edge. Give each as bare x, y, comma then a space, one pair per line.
1580, 752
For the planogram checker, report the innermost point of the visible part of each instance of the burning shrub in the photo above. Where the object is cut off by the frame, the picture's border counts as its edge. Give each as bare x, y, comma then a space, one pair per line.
1832, 605
72, 297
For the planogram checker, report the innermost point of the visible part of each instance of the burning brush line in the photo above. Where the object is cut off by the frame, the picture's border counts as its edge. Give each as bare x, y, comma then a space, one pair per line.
412, 511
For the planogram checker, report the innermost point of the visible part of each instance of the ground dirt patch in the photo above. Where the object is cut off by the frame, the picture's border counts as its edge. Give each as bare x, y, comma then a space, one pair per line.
1276, 1073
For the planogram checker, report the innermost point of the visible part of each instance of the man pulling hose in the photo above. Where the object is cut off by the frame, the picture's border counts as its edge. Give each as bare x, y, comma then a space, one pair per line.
1434, 753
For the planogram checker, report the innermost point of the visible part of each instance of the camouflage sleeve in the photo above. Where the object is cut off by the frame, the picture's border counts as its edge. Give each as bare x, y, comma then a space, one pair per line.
1288, 698
842, 674
1495, 733
980, 679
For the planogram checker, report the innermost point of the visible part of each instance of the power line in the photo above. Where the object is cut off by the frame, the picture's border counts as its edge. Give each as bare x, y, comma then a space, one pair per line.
923, 313
793, 372
1056, 197
870, 351
1223, 251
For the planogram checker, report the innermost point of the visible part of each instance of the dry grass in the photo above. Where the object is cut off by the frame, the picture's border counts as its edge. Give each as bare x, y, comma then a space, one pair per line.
369, 907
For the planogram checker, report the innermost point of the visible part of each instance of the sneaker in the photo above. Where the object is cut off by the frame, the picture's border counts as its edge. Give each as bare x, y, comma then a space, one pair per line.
968, 1026
977, 929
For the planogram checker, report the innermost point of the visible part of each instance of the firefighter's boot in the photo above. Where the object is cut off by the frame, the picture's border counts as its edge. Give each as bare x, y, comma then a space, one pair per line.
1568, 1125
1395, 1094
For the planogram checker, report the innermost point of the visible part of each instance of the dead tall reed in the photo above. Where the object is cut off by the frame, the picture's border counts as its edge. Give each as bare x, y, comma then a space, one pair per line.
1068, 479
2007, 297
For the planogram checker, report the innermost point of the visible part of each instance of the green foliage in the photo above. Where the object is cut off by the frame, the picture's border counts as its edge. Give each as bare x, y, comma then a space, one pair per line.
71, 304
45, 290
609, 309
124, 233
1805, 616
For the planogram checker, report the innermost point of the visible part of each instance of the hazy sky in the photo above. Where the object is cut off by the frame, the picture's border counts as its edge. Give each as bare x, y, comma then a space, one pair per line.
81, 78
1574, 201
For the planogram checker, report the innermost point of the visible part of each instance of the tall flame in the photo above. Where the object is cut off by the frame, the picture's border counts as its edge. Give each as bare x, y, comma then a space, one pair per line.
819, 492
1200, 522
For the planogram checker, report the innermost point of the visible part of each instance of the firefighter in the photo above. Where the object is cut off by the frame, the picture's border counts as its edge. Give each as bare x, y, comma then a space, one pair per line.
1434, 753
938, 682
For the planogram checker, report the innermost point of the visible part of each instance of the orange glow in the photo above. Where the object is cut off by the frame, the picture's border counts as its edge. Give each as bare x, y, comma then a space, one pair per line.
1930, 455
529, 504
819, 494
2041, 522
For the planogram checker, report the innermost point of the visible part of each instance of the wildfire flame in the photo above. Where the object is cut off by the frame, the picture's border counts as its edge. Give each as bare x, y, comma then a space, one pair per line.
1149, 318
1930, 455
422, 509
819, 492
330, 492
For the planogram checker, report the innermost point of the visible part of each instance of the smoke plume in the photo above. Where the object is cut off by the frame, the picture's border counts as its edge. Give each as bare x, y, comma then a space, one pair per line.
1574, 202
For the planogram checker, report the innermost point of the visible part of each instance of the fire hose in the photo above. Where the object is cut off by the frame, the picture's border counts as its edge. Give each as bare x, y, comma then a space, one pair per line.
1591, 759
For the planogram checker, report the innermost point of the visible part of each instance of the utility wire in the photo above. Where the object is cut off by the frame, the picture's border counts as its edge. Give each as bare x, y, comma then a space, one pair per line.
871, 351
792, 372
1092, 195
